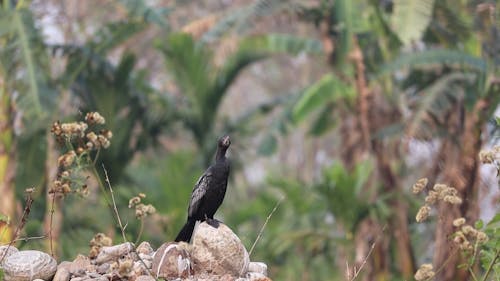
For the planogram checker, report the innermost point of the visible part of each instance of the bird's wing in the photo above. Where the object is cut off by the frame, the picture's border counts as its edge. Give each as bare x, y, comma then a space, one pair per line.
199, 192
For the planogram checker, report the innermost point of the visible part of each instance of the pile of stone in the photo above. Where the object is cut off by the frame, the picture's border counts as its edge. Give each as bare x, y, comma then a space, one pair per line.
215, 254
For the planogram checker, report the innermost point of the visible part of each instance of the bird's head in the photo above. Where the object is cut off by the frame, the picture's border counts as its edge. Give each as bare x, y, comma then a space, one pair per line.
224, 142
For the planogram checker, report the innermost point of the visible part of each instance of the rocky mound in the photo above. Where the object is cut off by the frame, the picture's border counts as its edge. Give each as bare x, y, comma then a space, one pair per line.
215, 254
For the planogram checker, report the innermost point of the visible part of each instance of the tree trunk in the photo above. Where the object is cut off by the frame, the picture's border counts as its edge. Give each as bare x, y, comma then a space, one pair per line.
7, 168
53, 216
460, 171
374, 113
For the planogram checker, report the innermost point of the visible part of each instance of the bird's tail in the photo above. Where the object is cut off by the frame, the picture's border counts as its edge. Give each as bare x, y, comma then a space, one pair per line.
186, 231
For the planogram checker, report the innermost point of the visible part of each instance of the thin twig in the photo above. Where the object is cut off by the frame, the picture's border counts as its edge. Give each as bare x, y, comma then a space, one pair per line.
141, 229
490, 266
122, 228
114, 204
357, 271
472, 274
348, 271
26, 239
24, 219
441, 268
50, 222
264, 225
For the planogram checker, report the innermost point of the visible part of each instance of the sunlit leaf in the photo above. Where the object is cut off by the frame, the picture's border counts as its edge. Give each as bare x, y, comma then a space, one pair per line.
327, 89
410, 19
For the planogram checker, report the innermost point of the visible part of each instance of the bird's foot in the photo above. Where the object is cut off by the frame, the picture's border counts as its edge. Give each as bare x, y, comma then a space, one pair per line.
213, 222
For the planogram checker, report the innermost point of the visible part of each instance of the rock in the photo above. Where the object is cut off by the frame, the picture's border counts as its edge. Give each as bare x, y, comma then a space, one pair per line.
227, 277
29, 265
62, 274
218, 251
64, 264
92, 275
103, 268
80, 265
141, 268
113, 253
144, 278
258, 267
172, 260
6, 251
255, 276
145, 248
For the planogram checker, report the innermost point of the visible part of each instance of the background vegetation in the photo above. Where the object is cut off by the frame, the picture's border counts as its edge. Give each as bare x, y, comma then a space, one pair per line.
335, 109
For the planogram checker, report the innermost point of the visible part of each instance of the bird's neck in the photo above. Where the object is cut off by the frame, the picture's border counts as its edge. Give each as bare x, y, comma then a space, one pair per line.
220, 155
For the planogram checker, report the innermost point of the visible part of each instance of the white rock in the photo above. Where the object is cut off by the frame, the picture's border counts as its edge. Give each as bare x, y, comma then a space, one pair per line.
219, 251
29, 265
254, 276
113, 253
145, 248
62, 274
6, 251
144, 278
172, 260
258, 267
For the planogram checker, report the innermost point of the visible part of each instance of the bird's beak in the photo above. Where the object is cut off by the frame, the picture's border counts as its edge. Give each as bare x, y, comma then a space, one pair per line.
226, 140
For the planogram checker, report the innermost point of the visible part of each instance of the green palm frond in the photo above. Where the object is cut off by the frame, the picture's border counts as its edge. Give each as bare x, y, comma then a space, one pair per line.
240, 19
328, 89
139, 9
280, 43
343, 192
450, 23
437, 99
411, 18
435, 57
25, 65
204, 85
113, 34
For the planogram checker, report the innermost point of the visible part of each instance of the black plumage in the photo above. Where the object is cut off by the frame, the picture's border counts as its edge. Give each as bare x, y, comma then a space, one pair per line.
208, 193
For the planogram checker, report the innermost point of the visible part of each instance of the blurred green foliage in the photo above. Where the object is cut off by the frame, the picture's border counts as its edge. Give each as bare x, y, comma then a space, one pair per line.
317, 219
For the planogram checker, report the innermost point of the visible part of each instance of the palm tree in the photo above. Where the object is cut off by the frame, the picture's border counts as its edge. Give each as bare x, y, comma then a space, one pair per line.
26, 91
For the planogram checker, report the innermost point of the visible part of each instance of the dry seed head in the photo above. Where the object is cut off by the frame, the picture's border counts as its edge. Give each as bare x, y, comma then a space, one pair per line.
107, 134
469, 230
142, 210
125, 267
424, 272
423, 213
76, 129
89, 145
56, 129
482, 237
100, 239
67, 159
134, 201
103, 141
459, 237
94, 118
419, 185
459, 222
455, 200
439, 187
92, 137
486, 156
432, 197
65, 188
80, 150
